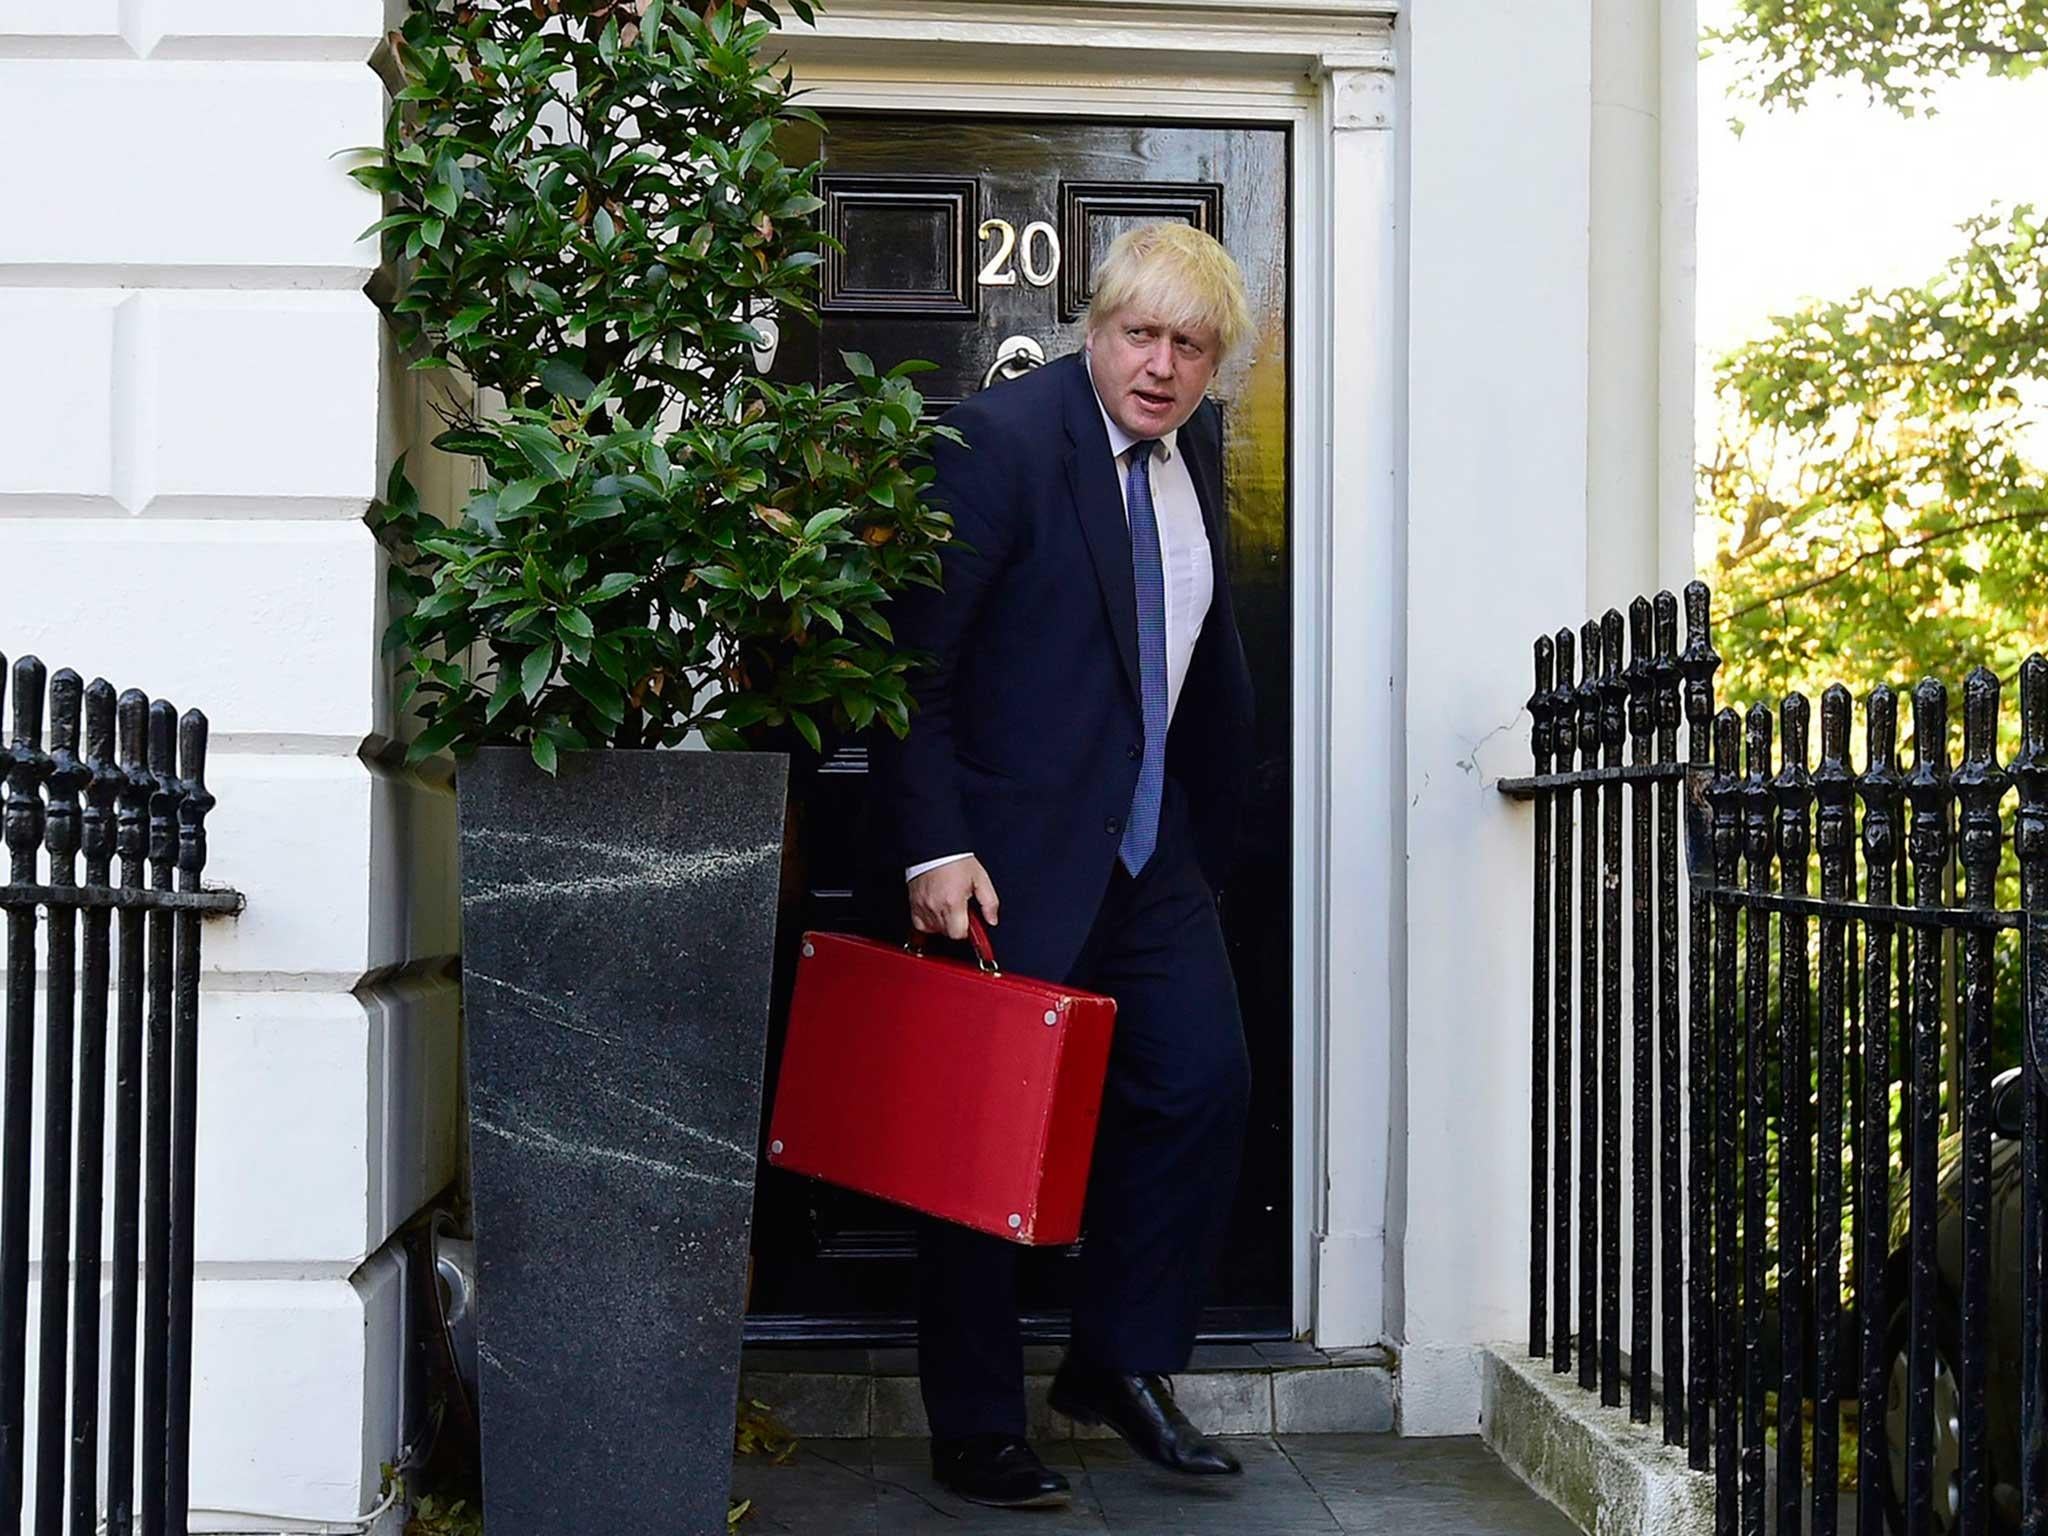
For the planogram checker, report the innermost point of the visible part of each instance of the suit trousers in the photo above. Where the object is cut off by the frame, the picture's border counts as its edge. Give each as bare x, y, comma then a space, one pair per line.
1167, 1152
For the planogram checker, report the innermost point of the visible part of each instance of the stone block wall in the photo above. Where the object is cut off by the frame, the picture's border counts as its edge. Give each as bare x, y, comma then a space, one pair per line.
197, 411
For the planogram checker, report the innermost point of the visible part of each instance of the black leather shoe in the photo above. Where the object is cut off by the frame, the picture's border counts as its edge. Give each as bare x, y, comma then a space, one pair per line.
1142, 1410
1000, 1471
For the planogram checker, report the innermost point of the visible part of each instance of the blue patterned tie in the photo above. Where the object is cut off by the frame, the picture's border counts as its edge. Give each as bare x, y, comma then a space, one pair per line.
1141, 830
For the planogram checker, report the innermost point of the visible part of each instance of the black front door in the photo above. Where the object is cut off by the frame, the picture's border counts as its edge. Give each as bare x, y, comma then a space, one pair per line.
971, 242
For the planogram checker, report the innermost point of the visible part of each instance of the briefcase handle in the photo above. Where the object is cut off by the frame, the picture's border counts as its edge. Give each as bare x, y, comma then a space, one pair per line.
977, 933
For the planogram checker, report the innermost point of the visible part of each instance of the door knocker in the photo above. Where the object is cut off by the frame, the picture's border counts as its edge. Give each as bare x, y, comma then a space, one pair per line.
1017, 356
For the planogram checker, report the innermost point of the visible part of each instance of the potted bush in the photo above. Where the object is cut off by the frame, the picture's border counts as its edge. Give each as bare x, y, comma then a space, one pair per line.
587, 211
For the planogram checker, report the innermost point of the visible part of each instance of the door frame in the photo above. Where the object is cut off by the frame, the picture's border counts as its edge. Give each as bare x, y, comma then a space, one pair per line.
1326, 73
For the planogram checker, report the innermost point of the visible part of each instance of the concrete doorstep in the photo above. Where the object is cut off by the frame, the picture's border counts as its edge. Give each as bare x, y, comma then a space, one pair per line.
1234, 1389
1611, 1476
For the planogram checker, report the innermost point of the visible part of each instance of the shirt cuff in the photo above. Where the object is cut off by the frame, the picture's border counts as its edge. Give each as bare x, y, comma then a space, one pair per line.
917, 869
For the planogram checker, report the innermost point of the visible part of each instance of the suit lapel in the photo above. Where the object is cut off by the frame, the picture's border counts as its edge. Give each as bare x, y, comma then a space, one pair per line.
1091, 478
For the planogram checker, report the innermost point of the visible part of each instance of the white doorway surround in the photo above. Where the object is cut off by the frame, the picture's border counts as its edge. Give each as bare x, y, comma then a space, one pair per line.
1326, 73
1491, 210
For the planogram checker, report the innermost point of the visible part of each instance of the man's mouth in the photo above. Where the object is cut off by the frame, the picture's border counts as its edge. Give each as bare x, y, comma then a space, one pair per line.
1156, 401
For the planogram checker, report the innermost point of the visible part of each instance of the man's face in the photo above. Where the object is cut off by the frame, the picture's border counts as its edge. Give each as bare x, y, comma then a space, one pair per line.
1150, 375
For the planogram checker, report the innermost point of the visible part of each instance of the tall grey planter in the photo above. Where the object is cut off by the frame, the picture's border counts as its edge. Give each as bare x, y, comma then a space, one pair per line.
618, 926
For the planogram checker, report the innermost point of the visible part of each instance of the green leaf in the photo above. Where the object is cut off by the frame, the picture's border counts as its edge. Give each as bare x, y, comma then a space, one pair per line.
442, 603
830, 518
594, 509
574, 621
541, 448
561, 377
752, 140
437, 737
390, 221
466, 321
519, 495
601, 694
858, 364
544, 753
504, 693
534, 673
483, 511
460, 440
612, 586
806, 728
398, 490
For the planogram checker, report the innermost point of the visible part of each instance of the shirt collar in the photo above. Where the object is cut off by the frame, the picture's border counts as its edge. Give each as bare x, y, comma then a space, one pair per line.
1119, 440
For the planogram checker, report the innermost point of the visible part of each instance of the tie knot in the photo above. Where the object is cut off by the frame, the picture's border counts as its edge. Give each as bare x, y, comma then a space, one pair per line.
1142, 450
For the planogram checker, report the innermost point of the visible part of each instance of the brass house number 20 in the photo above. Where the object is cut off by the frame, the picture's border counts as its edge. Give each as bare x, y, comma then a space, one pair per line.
1037, 253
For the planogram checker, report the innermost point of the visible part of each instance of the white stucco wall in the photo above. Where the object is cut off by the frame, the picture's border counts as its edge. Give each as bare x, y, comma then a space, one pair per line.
1550, 183
193, 424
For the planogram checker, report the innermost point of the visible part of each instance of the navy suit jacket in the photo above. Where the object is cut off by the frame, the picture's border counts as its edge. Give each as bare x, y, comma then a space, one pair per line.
1025, 741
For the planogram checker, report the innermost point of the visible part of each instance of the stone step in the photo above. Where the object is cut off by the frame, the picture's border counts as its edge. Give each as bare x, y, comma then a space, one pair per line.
1608, 1473
1229, 1389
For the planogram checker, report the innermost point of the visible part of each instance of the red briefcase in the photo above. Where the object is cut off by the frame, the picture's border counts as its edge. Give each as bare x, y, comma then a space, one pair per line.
945, 1086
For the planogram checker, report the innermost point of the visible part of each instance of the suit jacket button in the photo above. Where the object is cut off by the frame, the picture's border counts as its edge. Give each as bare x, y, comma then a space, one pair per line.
1112, 826
1133, 753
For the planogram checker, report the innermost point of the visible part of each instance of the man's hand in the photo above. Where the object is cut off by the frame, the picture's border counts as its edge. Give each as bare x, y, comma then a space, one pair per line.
939, 897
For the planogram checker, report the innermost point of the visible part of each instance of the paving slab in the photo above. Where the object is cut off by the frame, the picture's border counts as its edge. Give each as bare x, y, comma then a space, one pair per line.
827, 1485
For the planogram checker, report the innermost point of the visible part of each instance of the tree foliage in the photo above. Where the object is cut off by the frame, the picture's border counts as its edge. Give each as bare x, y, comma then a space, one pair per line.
587, 213
1895, 50
1876, 493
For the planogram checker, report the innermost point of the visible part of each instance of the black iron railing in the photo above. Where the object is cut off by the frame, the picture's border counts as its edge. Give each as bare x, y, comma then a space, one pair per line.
144, 804
1815, 1027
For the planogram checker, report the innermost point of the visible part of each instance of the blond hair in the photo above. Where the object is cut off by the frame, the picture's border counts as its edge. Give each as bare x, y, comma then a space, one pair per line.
1177, 275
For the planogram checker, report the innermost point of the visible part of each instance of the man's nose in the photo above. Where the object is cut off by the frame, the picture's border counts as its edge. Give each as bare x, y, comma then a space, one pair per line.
1159, 360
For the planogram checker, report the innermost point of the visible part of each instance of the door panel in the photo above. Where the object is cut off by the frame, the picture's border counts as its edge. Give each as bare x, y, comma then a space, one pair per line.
963, 235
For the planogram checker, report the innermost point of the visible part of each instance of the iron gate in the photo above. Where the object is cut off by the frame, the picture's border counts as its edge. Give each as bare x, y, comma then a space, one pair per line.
144, 801
1799, 1065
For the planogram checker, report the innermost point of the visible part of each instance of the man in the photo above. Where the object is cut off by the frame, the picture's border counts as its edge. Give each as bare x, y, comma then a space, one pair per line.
1074, 768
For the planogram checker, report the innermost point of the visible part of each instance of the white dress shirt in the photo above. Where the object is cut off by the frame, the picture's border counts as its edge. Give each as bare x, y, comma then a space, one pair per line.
1183, 556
